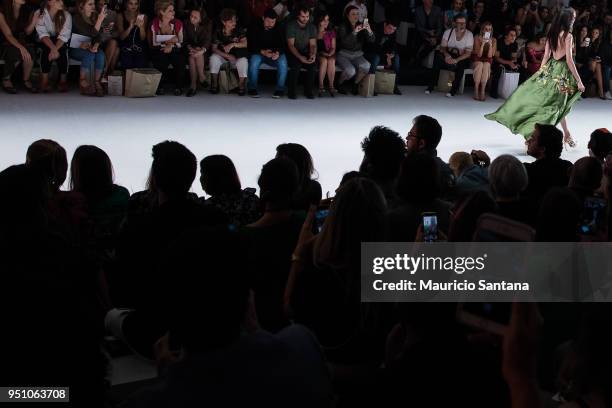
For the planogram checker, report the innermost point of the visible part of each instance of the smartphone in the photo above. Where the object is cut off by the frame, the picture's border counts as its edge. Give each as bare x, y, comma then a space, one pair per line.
487, 35
489, 317
140, 17
593, 217
365, 21
430, 226
319, 220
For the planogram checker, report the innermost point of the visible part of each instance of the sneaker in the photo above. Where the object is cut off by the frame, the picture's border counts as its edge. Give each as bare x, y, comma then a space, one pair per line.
278, 94
608, 95
449, 95
427, 91
253, 93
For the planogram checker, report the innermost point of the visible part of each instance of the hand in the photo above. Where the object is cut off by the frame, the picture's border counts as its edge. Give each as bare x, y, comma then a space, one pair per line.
581, 87
311, 59
448, 60
420, 233
85, 46
228, 47
102, 15
358, 28
163, 355
172, 40
25, 55
139, 22
367, 27
513, 66
525, 64
39, 18
231, 58
275, 56
53, 55
303, 59
520, 343
94, 48
167, 48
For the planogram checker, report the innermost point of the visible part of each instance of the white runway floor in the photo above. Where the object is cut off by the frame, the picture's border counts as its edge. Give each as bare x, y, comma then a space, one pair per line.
248, 130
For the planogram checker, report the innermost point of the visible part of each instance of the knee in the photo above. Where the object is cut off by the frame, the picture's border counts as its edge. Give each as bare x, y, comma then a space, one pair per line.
349, 71
365, 66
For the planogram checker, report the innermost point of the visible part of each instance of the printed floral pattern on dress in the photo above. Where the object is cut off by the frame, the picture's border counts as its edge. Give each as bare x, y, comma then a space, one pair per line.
562, 82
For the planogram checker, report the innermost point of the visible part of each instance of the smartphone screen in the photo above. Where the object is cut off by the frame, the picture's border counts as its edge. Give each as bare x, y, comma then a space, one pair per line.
430, 227
320, 217
487, 35
593, 217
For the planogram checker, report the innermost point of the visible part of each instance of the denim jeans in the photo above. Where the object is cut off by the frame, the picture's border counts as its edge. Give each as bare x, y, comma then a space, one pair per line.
375, 61
281, 70
88, 58
606, 70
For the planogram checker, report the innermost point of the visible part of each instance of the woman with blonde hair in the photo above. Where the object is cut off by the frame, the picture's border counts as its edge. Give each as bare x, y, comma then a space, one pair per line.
485, 46
166, 51
54, 27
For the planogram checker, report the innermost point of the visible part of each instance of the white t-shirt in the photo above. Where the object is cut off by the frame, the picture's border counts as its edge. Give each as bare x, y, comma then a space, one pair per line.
450, 40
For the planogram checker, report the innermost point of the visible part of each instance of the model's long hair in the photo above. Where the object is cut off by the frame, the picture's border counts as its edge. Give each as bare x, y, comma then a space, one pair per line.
562, 23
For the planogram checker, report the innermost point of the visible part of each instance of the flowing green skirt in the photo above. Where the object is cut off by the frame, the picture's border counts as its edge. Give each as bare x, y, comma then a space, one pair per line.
546, 98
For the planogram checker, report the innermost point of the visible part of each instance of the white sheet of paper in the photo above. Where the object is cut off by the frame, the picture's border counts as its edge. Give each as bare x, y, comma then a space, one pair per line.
161, 38
76, 40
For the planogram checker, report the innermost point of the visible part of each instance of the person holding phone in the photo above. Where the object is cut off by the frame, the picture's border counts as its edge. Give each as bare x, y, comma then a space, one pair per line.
54, 27
485, 47
108, 36
88, 23
165, 40
131, 25
352, 38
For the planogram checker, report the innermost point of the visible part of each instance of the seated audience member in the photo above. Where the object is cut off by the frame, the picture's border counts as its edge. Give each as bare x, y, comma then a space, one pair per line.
508, 179
548, 170
430, 25
485, 47
352, 38
108, 36
383, 154
418, 189
91, 174
272, 239
67, 210
16, 25
385, 50
605, 52
326, 47
424, 137
535, 53
588, 361
165, 52
228, 361
54, 30
146, 236
455, 51
219, 179
458, 8
600, 144
302, 52
229, 45
559, 216
309, 190
362, 9
197, 38
267, 45
46, 277
505, 59
469, 177
87, 23
586, 177
465, 213
132, 28
323, 291
476, 17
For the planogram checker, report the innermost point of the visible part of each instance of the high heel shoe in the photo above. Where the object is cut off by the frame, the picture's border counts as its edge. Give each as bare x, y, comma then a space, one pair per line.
568, 140
9, 89
321, 92
99, 89
30, 87
86, 89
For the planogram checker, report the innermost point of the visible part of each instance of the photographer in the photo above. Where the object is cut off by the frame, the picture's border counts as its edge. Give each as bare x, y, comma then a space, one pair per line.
455, 51
505, 59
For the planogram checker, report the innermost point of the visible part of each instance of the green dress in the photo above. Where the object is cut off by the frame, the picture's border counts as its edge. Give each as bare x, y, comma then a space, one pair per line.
546, 98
